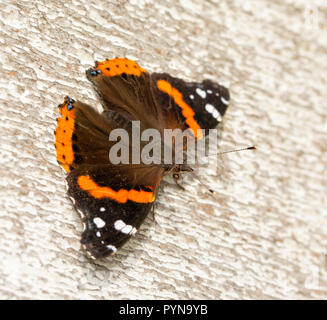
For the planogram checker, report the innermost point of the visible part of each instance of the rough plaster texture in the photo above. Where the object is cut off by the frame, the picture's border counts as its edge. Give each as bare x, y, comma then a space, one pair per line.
263, 236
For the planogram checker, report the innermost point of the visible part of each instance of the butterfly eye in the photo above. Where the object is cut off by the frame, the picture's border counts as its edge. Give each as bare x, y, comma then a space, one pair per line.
94, 72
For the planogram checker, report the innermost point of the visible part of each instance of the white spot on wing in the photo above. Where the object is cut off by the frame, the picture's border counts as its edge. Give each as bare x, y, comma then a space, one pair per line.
213, 111
127, 229
102, 209
224, 101
134, 230
191, 96
111, 247
201, 93
121, 226
209, 107
99, 222
217, 115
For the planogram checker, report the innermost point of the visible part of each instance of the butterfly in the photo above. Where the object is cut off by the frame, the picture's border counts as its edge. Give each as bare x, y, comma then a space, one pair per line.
114, 199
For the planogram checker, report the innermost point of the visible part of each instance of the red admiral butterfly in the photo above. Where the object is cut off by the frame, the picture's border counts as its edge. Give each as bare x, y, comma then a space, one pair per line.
114, 199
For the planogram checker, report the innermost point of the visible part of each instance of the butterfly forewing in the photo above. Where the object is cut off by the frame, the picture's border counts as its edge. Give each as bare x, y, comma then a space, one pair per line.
197, 104
124, 87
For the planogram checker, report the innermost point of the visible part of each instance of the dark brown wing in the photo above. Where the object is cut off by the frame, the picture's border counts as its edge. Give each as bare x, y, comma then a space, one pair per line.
82, 135
124, 87
113, 200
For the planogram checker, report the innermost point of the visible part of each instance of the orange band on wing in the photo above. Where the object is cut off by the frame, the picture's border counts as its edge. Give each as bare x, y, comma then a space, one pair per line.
187, 111
121, 196
64, 134
118, 66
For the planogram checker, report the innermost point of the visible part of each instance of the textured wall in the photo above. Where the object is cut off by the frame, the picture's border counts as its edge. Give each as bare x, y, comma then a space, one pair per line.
263, 236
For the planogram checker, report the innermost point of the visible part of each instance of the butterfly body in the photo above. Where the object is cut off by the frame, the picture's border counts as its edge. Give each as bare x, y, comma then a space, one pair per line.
113, 199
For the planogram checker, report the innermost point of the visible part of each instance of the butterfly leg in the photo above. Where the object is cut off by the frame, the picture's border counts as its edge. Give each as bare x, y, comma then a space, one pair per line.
176, 177
153, 215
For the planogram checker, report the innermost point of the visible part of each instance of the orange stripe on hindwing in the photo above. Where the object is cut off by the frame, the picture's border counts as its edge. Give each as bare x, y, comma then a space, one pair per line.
64, 134
122, 196
187, 111
116, 67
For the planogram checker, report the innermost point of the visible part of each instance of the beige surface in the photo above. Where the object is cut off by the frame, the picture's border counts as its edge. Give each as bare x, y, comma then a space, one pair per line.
265, 236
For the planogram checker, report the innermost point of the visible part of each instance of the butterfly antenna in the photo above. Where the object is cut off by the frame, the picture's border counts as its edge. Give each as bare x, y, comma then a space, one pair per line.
202, 183
234, 150
213, 192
